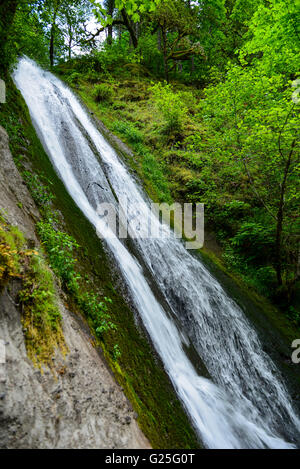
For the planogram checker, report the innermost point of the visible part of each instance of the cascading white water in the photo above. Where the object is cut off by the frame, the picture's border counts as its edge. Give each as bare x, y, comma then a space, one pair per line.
247, 404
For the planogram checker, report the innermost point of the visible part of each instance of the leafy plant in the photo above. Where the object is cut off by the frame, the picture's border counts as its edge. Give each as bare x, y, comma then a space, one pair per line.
73, 78
40, 192
170, 105
116, 353
129, 130
60, 248
40, 317
97, 311
102, 92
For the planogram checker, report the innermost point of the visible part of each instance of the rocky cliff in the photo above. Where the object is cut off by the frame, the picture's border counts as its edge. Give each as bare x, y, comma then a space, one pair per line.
77, 404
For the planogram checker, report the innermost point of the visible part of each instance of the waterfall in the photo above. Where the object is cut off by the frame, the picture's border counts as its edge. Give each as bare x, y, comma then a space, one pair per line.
245, 403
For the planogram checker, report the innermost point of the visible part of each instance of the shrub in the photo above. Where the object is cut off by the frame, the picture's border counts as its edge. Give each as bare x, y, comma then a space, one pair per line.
92, 77
102, 92
74, 78
40, 313
113, 57
97, 311
155, 173
254, 240
171, 106
60, 247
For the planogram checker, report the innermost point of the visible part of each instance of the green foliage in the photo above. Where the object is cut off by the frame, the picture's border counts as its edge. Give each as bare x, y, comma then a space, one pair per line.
294, 316
103, 92
11, 243
274, 38
171, 106
130, 132
134, 8
39, 191
92, 77
73, 78
150, 55
116, 353
178, 28
20, 33
97, 311
252, 123
60, 248
41, 317
260, 278
154, 172
29, 35
255, 241
109, 59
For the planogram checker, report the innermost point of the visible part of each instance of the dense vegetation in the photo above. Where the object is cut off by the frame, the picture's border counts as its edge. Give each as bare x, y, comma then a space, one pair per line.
206, 94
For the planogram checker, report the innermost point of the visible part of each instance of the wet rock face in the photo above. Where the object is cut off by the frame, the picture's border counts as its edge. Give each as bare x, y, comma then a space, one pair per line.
15, 201
78, 404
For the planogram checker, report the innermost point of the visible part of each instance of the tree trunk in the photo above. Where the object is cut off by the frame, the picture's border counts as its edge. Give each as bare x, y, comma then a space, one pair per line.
51, 47
109, 34
7, 13
70, 48
130, 29
159, 39
52, 34
164, 40
280, 213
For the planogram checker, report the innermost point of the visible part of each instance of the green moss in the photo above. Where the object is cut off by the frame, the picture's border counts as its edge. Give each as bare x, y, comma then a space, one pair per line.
40, 313
139, 370
11, 243
41, 317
